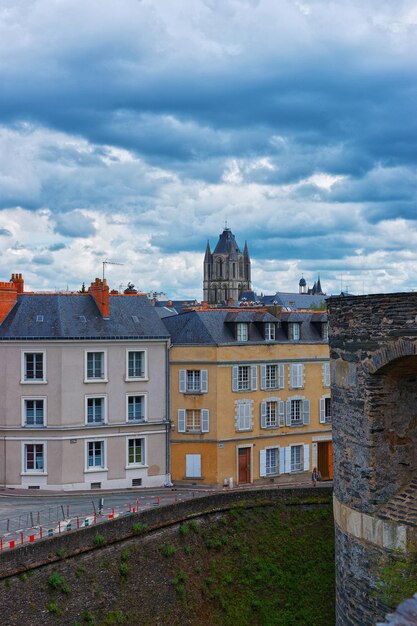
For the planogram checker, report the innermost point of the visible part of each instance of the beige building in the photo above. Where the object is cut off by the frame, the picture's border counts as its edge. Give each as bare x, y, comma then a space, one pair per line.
82, 389
250, 396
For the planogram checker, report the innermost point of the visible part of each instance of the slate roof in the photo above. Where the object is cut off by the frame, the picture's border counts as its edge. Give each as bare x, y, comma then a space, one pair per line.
227, 243
76, 316
293, 301
216, 327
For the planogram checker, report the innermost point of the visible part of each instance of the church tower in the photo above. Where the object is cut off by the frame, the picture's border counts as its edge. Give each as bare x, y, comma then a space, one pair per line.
227, 272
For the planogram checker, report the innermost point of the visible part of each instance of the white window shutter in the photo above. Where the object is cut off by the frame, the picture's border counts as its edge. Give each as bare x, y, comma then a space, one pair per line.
306, 457
204, 381
235, 375
326, 374
288, 459
288, 407
292, 375
281, 376
306, 412
300, 375
183, 381
282, 460
181, 420
281, 413
322, 411
205, 421
263, 414
193, 465
254, 377
262, 462
263, 376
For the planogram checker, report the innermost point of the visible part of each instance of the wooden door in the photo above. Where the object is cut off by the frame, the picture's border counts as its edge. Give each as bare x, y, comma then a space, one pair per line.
244, 465
325, 459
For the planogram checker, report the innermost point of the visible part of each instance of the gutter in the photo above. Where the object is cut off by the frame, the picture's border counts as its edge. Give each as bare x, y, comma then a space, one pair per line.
168, 482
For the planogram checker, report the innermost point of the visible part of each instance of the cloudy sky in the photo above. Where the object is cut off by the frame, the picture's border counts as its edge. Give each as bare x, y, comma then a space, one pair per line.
130, 130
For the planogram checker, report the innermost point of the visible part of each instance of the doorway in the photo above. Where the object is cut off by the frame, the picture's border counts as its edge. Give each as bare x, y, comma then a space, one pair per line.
244, 465
325, 459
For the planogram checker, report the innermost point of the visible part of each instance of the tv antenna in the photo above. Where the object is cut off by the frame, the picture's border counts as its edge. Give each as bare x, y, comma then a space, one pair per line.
107, 262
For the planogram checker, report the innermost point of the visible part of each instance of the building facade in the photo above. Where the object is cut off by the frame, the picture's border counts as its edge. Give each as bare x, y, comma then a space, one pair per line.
227, 271
83, 389
250, 396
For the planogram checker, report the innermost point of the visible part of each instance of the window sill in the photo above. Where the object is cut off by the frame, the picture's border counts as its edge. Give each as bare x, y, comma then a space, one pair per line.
297, 424
136, 379
33, 382
92, 470
34, 426
136, 466
274, 427
92, 424
34, 473
88, 381
137, 420
193, 393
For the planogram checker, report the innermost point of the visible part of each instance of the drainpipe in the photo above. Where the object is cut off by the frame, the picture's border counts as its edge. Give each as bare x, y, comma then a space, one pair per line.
168, 482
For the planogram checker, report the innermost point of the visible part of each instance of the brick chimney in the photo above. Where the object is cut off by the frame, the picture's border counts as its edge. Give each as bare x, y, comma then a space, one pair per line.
8, 294
100, 292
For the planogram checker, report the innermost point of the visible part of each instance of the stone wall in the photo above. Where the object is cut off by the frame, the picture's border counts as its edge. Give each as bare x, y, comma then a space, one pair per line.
373, 352
30, 556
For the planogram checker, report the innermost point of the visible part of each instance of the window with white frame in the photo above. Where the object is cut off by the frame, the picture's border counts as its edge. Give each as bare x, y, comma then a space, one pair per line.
136, 451
34, 457
272, 461
296, 375
242, 331
33, 367
326, 374
244, 378
272, 376
296, 458
298, 412
95, 366
136, 364
34, 411
272, 413
136, 408
325, 410
269, 331
95, 454
244, 412
294, 331
193, 421
193, 381
95, 410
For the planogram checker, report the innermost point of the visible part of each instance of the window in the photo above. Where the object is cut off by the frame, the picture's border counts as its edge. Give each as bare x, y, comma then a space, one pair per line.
193, 465
272, 376
34, 413
96, 410
135, 408
325, 410
269, 331
326, 374
136, 364
193, 381
296, 458
243, 417
298, 412
272, 413
272, 461
34, 457
325, 331
135, 451
33, 367
269, 462
242, 333
193, 421
294, 331
296, 375
95, 454
95, 366
244, 378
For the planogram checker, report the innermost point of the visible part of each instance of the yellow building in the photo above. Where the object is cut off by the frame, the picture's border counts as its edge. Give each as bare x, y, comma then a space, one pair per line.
250, 396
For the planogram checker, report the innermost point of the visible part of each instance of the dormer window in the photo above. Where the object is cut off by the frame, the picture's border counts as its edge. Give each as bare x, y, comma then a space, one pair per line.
242, 331
294, 331
269, 332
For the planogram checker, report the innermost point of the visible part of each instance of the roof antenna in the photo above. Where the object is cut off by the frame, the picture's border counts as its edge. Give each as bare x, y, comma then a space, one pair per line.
107, 262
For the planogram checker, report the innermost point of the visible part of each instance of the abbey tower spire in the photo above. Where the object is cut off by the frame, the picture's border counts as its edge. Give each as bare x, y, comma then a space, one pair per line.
227, 272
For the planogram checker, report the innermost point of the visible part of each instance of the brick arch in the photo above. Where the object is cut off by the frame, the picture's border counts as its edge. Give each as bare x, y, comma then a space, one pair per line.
391, 352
